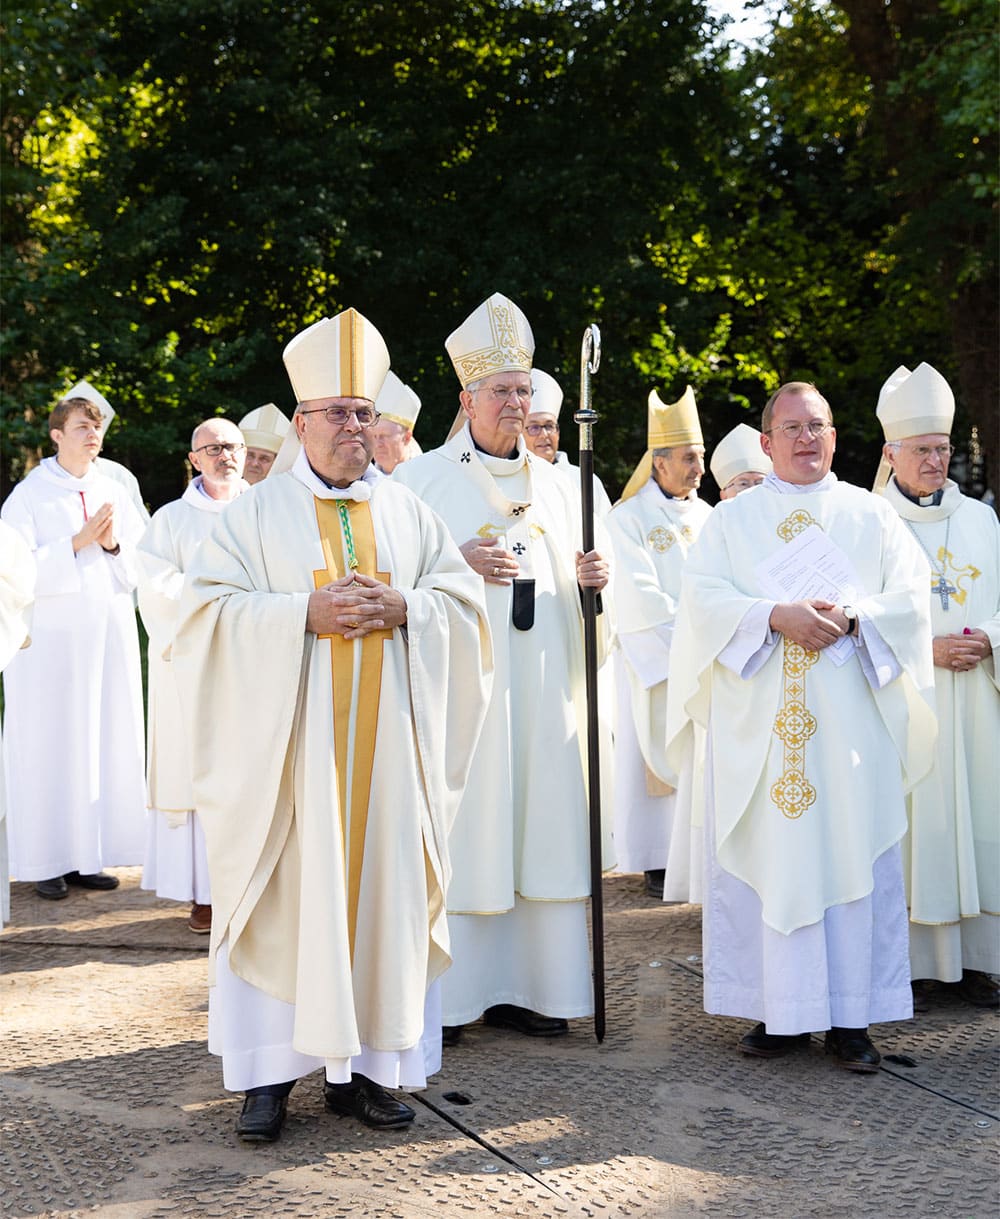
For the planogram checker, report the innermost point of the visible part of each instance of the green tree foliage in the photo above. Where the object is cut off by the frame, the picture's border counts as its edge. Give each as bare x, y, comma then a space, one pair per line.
187, 183
256, 166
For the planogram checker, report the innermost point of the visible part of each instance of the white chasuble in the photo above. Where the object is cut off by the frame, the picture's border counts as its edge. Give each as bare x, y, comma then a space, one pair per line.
522, 825
952, 850
326, 772
810, 759
652, 534
81, 672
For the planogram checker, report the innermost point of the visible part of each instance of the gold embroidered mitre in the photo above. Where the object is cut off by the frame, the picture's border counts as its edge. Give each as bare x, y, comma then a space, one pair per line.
83, 389
398, 402
264, 428
546, 394
667, 427
738, 452
496, 337
339, 357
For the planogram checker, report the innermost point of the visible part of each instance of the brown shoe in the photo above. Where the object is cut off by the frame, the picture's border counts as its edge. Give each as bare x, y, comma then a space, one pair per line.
200, 921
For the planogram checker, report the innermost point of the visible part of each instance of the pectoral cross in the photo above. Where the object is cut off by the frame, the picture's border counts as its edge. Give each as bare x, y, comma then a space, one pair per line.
944, 590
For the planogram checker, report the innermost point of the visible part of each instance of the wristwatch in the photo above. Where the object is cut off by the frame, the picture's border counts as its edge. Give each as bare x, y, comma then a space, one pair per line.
851, 614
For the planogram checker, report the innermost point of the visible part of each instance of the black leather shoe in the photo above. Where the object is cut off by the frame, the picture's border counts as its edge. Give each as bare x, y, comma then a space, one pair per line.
521, 1020
853, 1050
262, 1117
976, 988
761, 1044
654, 882
451, 1034
368, 1102
91, 880
52, 890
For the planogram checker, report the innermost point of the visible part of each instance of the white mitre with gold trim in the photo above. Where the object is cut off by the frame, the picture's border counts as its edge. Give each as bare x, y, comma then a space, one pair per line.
738, 452
398, 402
918, 403
83, 389
338, 357
667, 427
264, 428
546, 394
496, 337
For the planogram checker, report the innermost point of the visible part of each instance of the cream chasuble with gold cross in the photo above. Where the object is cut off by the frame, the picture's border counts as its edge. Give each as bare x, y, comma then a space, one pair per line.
952, 850
327, 771
809, 759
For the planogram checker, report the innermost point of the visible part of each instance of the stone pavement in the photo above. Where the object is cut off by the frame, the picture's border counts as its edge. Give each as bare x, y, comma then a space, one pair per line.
112, 1106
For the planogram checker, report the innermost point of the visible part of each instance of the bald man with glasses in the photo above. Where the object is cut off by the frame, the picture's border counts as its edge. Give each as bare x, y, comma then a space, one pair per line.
175, 863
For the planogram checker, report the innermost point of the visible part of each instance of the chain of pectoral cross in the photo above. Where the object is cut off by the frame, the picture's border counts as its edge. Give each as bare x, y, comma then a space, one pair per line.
943, 587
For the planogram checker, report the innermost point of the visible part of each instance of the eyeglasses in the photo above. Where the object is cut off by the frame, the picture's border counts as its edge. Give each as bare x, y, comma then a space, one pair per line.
817, 428
337, 416
922, 451
502, 392
536, 429
216, 450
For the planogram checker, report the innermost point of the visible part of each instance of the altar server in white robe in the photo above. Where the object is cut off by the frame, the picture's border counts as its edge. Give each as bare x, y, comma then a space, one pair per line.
652, 527
264, 431
541, 435
738, 462
398, 407
175, 865
518, 898
17, 591
104, 465
951, 854
72, 815
333, 659
819, 717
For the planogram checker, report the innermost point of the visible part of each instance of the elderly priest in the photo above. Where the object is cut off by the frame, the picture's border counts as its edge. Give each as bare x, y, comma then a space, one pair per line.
264, 431
333, 654
803, 646
652, 527
952, 852
518, 900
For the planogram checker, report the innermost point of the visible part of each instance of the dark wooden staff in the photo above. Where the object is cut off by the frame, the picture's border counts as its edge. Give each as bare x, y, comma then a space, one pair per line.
586, 417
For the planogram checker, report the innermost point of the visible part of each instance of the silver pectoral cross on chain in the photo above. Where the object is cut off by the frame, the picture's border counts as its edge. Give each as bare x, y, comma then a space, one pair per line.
944, 590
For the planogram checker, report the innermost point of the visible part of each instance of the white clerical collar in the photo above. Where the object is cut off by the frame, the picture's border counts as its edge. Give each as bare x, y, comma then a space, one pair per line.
360, 489
196, 495
778, 484
502, 465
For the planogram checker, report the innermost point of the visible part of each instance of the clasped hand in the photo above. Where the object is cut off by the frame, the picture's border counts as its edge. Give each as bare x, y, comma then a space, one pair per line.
813, 624
961, 652
99, 528
354, 606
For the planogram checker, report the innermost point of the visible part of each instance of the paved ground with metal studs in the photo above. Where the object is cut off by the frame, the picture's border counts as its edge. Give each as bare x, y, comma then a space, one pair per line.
113, 1107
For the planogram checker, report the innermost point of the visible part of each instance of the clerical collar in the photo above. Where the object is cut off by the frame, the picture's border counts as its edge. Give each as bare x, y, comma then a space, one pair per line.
826, 483
922, 501
513, 455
